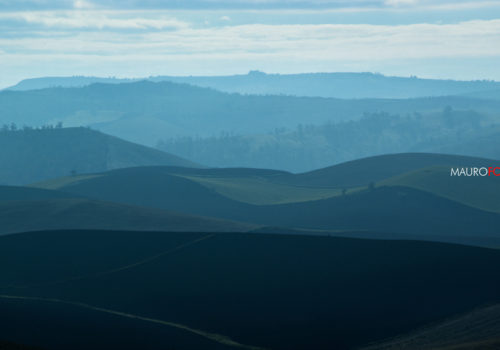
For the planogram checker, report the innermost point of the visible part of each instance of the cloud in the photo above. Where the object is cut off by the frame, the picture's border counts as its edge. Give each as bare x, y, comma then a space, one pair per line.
400, 2
82, 4
307, 41
94, 20
91, 37
11, 5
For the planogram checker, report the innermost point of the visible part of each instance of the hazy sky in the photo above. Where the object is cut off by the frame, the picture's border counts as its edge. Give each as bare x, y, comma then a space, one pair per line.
136, 38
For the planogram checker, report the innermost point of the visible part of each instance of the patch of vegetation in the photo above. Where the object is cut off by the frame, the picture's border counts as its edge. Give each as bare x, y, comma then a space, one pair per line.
316, 145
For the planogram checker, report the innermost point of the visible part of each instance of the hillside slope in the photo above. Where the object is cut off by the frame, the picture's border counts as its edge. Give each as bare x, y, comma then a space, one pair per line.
391, 209
480, 192
400, 210
18, 193
476, 330
276, 292
361, 172
33, 155
11, 346
52, 214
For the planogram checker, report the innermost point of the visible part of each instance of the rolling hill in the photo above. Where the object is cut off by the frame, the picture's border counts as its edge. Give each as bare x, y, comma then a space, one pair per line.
78, 213
18, 193
361, 172
153, 187
228, 291
37, 154
247, 185
424, 171
25, 209
146, 112
479, 192
403, 210
398, 210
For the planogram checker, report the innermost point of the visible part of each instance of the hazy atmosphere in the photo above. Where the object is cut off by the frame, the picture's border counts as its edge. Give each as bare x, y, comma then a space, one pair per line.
249, 175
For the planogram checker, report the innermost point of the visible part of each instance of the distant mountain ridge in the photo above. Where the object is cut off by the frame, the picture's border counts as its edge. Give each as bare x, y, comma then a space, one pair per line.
339, 85
74, 81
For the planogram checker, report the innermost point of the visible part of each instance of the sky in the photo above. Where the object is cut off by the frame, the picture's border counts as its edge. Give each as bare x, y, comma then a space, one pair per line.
442, 39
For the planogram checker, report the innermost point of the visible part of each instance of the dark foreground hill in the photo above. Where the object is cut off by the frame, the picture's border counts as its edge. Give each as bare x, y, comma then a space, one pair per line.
32, 155
101, 290
12, 346
476, 330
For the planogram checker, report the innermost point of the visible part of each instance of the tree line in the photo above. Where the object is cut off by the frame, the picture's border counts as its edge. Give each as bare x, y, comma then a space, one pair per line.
14, 127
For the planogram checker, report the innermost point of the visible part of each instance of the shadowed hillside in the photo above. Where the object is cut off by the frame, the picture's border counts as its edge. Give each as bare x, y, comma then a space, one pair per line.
154, 187
17, 193
37, 154
390, 209
36, 215
476, 330
260, 291
12, 346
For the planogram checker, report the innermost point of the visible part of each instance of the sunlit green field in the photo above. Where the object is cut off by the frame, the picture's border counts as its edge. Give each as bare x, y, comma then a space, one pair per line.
261, 191
478, 192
